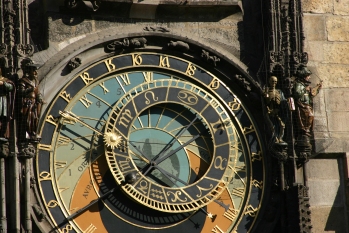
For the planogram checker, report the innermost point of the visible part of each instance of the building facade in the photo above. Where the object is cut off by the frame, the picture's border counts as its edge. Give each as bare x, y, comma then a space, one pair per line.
167, 116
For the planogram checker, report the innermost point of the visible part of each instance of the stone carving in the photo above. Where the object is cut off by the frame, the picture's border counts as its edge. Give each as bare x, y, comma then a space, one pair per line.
242, 82
276, 102
74, 63
3, 48
92, 5
211, 59
7, 94
178, 45
25, 50
156, 29
127, 43
304, 113
28, 103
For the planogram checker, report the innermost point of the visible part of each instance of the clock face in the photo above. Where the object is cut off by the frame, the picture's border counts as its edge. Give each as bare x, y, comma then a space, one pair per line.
145, 142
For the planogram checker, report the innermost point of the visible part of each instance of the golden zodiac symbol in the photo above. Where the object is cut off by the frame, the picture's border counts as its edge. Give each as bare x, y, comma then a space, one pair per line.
187, 97
176, 196
205, 189
250, 210
143, 186
220, 165
152, 94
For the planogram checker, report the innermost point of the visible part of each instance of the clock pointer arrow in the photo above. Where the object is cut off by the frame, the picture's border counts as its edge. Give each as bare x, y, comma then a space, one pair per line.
73, 118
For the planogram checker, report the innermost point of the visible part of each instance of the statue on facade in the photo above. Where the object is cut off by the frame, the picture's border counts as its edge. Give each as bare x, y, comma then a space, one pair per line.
276, 107
304, 114
7, 90
29, 103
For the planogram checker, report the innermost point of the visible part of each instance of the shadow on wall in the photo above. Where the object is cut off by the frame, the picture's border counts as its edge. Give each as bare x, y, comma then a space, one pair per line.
337, 220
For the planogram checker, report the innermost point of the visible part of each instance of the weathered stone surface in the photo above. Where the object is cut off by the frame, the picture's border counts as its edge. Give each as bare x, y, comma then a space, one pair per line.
315, 50
329, 220
323, 169
325, 192
325, 144
334, 75
317, 6
65, 28
337, 100
319, 101
314, 27
336, 53
341, 7
337, 28
338, 121
320, 124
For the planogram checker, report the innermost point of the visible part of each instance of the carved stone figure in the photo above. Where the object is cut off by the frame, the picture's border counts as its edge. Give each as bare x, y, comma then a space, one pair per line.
208, 58
7, 90
127, 43
179, 45
276, 106
29, 104
303, 95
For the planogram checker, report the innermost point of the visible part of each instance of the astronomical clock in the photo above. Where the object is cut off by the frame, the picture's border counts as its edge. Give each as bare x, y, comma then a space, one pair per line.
150, 141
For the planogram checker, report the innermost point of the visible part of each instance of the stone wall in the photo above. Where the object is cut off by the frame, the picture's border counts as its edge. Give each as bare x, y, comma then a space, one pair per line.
327, 42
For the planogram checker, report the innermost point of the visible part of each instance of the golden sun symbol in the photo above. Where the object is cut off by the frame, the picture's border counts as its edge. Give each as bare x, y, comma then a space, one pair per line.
112, 139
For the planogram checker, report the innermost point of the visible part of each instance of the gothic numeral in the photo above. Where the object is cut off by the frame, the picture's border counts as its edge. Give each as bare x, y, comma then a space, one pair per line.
216, 229
137, 59
110, 66
86, 78
190, 69
234, 105
60, 164
230, 214
65, 96
52, 204
214, 84
87, 103
125, 79
105, 90
164, 62
52, 120
63, 141
44, 147
45, 176
148, 76
239, 192
90, 229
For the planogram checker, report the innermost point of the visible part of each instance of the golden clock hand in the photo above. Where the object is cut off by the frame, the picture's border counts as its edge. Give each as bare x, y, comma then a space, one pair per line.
73, 118
143, 156
158, 161
169, 145
78, 212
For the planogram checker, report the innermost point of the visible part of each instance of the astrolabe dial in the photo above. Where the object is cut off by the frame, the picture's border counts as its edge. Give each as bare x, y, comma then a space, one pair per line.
149, 142
184, 131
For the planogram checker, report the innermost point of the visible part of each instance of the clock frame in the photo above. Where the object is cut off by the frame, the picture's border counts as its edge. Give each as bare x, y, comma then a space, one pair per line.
236, 198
